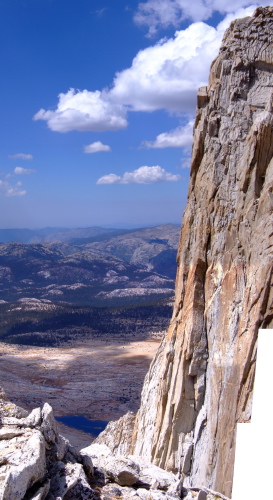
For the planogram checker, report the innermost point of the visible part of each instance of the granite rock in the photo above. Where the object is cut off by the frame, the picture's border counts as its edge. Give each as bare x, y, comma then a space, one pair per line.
38, 463
200, 383
23, 463
117, 435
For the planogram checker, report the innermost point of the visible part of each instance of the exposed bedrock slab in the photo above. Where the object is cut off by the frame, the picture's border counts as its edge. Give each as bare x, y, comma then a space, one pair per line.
200, 383
37, 463
118, 434
26, 463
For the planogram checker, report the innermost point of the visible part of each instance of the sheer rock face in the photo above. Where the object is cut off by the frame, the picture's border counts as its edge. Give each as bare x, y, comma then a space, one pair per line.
201, 384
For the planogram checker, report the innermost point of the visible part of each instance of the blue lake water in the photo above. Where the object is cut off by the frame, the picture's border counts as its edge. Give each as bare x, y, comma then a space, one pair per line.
83, 424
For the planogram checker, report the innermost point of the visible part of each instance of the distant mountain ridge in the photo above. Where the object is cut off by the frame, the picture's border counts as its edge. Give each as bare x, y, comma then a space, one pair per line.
66, 235
108, 268
53, 291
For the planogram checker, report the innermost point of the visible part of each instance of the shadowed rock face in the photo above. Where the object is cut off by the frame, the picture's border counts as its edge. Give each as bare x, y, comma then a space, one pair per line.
201, 384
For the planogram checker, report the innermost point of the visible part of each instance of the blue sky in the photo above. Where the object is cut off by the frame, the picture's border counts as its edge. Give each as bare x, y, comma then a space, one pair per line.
98, 101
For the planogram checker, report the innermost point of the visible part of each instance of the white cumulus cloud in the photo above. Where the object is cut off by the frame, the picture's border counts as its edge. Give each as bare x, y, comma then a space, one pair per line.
180, 137
21, 156
142, 175
23, 171
8, 190
84, 110
96, 147
163, 76
168, 74
156, 14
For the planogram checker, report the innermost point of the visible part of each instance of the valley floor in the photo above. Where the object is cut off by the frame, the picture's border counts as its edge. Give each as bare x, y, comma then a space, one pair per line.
99, 378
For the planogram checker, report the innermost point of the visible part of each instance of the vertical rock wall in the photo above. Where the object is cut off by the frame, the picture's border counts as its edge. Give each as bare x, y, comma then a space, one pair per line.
200, 384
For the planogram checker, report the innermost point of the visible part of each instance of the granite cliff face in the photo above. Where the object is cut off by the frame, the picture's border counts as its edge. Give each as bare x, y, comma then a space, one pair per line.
200, 383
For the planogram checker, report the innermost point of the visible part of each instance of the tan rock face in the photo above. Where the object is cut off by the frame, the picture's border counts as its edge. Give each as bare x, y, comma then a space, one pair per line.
201, 384
117, 435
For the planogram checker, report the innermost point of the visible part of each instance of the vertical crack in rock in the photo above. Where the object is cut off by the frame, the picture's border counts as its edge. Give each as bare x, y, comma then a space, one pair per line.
201, 382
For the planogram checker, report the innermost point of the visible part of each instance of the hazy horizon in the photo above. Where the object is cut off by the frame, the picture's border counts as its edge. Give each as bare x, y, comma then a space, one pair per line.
117, 225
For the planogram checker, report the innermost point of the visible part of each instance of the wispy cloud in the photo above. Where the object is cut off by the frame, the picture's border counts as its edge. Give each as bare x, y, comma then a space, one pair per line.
142, 175
180, 137
21, 156
6, 189
96, 147
23, 171
158, 14
185, 163
100, 12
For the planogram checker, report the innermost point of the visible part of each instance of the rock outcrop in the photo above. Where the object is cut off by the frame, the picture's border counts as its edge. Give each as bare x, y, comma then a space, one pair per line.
200, 383
118, 434
37, 463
